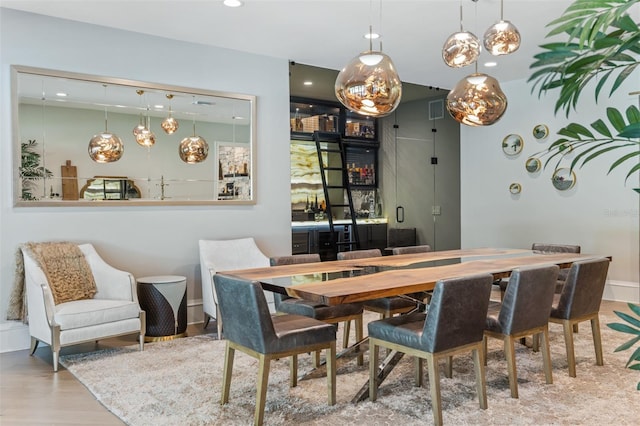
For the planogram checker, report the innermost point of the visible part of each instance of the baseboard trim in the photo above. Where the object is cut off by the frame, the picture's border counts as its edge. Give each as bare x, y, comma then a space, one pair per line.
622, 291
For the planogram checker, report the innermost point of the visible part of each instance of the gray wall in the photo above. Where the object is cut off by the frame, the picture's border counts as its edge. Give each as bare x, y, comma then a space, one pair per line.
144, 240
408, 179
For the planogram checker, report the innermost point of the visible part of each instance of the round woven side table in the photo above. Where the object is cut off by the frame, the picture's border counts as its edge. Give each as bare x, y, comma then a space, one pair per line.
164, 299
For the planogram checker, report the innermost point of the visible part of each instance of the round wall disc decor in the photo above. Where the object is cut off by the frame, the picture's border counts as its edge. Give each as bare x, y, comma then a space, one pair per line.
512, 144
563, 179
515, 188
540, 131
533, 165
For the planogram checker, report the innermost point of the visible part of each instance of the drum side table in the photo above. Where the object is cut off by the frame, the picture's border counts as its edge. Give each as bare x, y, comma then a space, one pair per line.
164, 299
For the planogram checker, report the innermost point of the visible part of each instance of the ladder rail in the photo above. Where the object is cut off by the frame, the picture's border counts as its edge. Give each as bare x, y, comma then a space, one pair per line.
334, 138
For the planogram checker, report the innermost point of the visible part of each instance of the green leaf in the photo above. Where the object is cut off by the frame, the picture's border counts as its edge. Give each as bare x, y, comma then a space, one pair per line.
615, 118
634, 357
627, 345
635, 367
602, 151
580, 129
634, 308
632, 171
623, 328
628, 318
603, 43
625, 23
620, 161
600, 127
583, 62
565, 131
632, 131
603, 79
633, 115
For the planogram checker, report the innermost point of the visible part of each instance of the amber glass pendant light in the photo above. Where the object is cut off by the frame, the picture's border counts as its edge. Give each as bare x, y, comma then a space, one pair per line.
105, 147
477, 100
503, 37
146, 137
169, 124
369, 84
193, 149
461, 48
141, 124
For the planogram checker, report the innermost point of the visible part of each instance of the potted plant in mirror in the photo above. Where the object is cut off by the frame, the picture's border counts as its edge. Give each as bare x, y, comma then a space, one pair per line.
603, 45
30, 170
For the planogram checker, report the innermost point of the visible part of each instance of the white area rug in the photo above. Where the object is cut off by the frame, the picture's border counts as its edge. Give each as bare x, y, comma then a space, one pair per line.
178, 383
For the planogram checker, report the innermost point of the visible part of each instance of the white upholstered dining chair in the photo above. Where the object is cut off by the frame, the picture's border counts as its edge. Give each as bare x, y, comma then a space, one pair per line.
112, 311
226, 255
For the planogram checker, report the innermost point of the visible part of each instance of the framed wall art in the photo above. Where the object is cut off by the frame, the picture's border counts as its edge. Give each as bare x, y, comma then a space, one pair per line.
512, 144
533, 164
233, 168
540, 131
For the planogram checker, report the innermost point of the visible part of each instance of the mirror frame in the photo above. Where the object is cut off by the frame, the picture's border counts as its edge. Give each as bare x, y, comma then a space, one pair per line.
17, 70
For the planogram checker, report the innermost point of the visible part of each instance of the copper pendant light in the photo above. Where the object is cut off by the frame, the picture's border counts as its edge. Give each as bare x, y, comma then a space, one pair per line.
477, 100
105, 147
503, 37
146, 137
193, 149
369, 84
461, 48
169, 124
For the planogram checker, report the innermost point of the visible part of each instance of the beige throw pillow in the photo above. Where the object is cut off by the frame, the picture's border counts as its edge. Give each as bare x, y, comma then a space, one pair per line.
67, 270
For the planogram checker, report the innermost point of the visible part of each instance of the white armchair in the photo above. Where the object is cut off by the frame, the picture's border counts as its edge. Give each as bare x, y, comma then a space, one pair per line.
226, 255
113, 311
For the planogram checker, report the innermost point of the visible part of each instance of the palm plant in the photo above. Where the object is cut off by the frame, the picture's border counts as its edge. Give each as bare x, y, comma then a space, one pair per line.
30, 170
603, 42
634, 329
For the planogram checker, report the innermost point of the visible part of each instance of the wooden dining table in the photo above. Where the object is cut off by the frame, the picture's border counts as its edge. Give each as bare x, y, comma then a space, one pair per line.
359, 280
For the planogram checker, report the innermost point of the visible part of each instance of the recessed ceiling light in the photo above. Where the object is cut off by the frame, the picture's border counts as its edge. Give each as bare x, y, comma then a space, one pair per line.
490, 64
308, 83
61, 94
158, 106
238, 117
372, 36
232, 3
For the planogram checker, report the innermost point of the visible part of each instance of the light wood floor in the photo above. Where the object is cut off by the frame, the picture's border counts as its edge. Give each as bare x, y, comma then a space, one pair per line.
32, 394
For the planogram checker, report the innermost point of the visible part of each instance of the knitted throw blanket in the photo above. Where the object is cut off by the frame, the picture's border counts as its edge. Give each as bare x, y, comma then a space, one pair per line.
66, 269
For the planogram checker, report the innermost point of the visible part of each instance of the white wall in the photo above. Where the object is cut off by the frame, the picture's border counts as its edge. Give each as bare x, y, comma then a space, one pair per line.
144, 240
600, 213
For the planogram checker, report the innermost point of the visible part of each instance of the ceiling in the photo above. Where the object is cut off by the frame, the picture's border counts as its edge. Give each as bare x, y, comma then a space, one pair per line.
326, 33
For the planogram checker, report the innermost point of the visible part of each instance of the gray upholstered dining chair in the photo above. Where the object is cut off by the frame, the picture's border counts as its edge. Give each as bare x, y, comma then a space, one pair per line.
580, 301
548, 248
330, 314
411, 249
385, 306
524, 311
454, 323
250, 328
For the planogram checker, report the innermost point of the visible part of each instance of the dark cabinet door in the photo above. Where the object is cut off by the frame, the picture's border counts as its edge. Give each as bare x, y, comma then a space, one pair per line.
373, 236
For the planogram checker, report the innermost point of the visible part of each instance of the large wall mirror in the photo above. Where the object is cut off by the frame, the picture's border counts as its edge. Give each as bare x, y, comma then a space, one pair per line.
89, 140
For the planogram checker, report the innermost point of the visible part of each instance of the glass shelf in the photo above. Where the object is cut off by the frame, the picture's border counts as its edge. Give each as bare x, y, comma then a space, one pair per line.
308, 117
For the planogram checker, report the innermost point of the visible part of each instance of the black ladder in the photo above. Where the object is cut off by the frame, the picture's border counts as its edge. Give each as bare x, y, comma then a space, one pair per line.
335, 182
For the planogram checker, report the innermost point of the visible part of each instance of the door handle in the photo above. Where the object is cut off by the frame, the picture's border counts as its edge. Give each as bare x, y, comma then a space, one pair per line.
399, 214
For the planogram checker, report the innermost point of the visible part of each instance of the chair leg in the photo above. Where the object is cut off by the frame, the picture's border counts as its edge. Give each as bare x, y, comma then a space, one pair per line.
568, 341
546, 355
434, 385
219, 323
448, 368
597, 341
359, 337
207, 318
373, 370
330, 353
293, 371
316, 359
143, 329
55, 346
510, 354
261, 393
484, 348
34, 345
418, 371
345, 336
226, 377
535, 342
481, 381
